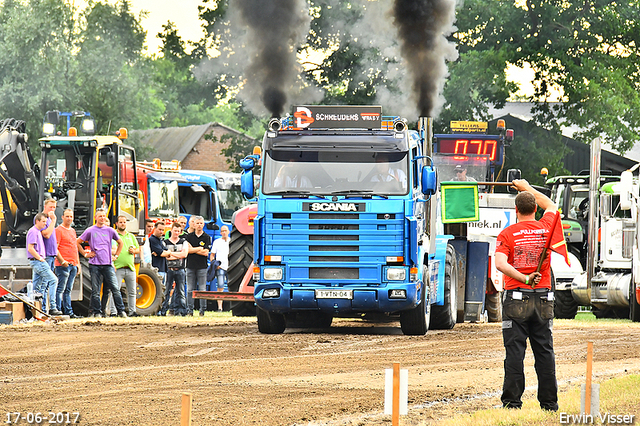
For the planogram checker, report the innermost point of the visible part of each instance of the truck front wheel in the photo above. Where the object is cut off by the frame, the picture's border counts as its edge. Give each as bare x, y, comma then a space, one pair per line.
270, 322
565, 306
415, 322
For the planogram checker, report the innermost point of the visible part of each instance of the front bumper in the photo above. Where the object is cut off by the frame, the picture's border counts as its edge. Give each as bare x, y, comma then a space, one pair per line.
292, 298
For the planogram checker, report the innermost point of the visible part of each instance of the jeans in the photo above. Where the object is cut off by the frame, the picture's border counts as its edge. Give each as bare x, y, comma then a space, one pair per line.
221, 276
196, 277
129, 278
66, 277
51, 291
106, 273
178, 300
528, 315
43, 280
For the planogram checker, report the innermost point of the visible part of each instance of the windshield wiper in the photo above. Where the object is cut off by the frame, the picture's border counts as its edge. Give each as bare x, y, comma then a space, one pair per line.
364, 193
296, 194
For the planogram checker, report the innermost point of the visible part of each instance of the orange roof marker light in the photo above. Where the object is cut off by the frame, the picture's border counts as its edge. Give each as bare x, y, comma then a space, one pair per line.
501, 125
73, 131
122, 133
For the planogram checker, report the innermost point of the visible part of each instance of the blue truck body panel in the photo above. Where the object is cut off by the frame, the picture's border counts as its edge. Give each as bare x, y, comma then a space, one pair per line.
328, 250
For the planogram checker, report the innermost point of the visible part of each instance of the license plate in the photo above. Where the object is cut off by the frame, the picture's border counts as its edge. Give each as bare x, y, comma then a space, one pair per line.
334, 294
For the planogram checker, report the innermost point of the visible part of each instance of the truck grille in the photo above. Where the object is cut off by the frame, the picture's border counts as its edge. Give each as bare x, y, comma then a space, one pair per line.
334, 247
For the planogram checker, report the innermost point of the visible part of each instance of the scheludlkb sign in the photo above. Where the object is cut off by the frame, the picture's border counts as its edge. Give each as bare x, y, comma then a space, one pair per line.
337, 117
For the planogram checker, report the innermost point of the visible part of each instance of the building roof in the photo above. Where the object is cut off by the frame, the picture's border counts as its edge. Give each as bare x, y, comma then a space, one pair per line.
175, 143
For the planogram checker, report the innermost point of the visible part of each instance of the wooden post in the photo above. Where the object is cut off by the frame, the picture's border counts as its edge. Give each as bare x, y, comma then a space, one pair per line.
587, 394
395, 414
185, 419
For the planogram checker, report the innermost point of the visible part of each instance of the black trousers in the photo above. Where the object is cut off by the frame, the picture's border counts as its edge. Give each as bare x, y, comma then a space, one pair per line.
528, 314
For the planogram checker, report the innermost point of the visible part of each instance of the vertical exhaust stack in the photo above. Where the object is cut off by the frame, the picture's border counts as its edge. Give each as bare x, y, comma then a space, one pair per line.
425, 129
594, 208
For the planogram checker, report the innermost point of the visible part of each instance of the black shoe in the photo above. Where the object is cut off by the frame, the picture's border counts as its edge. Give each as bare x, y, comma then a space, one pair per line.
55, 312
122, 314
161, 314
201, 313
92, 315
74, 316
134, 314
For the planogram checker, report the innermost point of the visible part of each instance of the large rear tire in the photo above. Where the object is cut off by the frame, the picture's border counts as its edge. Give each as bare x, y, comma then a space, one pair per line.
565, 306
415, 322
270, 322
634, 307
82, 307
149, 291
240, 259
444, 317
493, 303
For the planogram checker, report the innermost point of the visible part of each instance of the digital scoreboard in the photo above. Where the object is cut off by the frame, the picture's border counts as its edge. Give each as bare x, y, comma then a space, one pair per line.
489, 145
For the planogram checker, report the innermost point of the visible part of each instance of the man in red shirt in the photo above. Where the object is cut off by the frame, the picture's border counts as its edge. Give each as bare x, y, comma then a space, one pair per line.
68, 249
527, 307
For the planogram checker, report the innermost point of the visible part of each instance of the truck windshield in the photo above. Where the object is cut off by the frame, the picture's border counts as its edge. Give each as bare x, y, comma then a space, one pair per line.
333, 172
163, 199
230, 200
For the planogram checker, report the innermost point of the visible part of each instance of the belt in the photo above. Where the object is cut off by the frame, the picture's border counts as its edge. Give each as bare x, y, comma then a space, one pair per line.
175, 269
530, 290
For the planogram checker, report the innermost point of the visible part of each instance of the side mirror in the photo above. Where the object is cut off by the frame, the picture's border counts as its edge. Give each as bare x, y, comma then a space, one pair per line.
429, 181
111, 159
626, 182
513, 174
246, 183
212, 226
247, 163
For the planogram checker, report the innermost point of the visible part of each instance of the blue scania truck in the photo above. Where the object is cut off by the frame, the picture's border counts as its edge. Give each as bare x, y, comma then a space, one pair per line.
346, 222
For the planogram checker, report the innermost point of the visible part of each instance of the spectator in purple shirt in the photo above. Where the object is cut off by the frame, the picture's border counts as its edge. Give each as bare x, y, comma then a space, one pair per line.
51, 253
42, 273
99, 237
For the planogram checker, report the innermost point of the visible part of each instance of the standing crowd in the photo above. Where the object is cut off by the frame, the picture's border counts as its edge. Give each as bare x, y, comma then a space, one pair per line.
181, 256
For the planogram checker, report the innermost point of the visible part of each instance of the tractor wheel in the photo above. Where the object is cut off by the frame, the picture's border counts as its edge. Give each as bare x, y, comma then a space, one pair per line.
444, 317
150, 291
270, 322
493, 303
83, 307
565, 306
240, 259
415, 322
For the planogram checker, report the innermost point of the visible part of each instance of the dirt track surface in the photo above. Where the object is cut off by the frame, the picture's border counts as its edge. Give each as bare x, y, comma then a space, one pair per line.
134, 371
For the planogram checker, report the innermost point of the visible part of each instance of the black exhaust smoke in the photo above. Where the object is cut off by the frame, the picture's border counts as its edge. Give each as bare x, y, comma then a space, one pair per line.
422, 27
274, 28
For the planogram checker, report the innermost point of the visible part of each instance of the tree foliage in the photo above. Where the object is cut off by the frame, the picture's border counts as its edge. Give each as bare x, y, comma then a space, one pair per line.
587, 50
56, 56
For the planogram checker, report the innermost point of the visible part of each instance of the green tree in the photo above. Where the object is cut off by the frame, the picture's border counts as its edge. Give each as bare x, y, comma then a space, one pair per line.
114, 80
56, 57
36, 53
588, 50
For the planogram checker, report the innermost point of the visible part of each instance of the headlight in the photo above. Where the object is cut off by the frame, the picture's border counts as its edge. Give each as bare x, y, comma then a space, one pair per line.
272, 274
396, 274
271, 292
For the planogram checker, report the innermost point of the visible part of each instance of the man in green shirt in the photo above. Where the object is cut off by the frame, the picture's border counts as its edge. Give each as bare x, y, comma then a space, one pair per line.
124, 264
